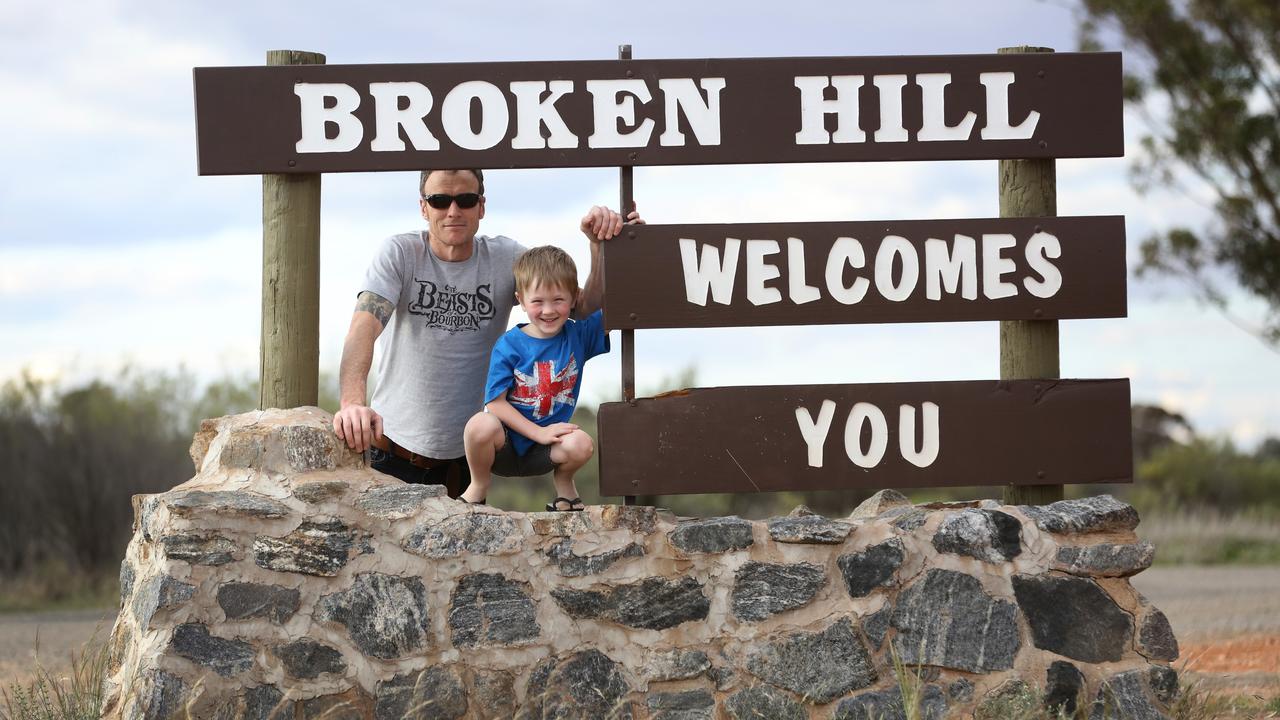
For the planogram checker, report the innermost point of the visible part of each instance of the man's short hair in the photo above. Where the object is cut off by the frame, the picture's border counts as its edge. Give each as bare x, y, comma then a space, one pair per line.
422, 179
548, 266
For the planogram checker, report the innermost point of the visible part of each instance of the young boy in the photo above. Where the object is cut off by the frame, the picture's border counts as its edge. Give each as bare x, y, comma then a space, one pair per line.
535, 374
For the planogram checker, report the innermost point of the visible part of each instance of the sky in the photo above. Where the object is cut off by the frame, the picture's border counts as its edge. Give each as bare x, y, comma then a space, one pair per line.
114, 252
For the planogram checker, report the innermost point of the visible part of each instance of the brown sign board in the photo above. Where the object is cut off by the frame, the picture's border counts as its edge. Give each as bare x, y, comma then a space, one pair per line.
341, 118
828, 437
684, 276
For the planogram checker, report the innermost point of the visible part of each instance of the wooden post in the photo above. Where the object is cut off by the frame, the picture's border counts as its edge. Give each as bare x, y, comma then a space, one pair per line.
1029, 348
289, 358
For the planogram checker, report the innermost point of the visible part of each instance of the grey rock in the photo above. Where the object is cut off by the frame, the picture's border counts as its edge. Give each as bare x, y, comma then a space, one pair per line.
225, 657
1063, 684
571, 565
354, 704
1164, 683
1012, 698
1125, 697
465, 534
158, 592
395, 502
1155, 637
676, 665
876, 625
188, 503
888, 705
281, 449
489, 609
762, 701
988, 535
199, 549
386, 615
723, 677
315, 548
1105, 559
819, 667
308, 448
639, 519
320, 491
1100, 513
307, 659
878, 504
961, 691
162, 696
910, 520
872, 568
801, 510
761, 590
812, 529
241, 601
946, 619
654, 603
715, 535
263, 702
436, 693
683, 705
494, 694
584, 686
1073, 617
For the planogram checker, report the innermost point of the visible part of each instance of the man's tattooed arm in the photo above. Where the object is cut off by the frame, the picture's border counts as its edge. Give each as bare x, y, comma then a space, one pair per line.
375, 305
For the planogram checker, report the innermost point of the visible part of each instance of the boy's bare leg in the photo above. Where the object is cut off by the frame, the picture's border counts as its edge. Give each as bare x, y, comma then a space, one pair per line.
482, 438
570, 454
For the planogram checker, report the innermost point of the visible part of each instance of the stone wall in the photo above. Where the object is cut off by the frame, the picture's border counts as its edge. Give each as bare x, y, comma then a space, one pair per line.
287, 580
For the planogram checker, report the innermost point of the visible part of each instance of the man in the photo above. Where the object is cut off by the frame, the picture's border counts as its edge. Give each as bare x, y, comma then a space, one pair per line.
446, 295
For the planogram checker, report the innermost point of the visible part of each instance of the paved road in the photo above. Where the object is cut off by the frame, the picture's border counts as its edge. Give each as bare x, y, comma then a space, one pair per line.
1203, 604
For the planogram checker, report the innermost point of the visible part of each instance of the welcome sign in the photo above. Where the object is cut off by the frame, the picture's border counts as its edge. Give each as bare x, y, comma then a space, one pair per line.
336, 118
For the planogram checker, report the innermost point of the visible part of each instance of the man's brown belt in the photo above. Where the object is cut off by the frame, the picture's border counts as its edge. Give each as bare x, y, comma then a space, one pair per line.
386, 444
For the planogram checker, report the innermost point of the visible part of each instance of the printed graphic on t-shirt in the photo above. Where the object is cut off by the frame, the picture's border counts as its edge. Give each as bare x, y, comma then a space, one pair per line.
452, 309
545, 389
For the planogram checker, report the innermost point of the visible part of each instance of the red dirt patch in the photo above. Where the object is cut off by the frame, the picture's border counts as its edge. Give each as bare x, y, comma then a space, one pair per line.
1251, 653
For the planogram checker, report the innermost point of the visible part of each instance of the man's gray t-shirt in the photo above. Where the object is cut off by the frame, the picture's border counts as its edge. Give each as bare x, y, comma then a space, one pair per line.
435, 350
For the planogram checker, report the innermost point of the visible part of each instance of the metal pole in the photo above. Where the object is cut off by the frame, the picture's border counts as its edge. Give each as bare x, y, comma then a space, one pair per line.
1029, 348
289, 359
627, 203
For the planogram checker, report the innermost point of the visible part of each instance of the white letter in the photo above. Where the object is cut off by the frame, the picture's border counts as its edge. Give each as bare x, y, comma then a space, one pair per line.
701, 274
959, 269
759, 272
861, 413
799, 291
994, 266
891, 129
900, 246
608, 109
934, 89
997, 127
455, 115
815, 433
907, 435
532, 112
704, 118
390, 118
1040, 247
814, 110
845, 250
314, 116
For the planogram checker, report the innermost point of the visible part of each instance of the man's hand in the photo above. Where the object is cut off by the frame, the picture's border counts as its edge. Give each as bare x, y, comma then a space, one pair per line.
550, 435
600, 223
358, 425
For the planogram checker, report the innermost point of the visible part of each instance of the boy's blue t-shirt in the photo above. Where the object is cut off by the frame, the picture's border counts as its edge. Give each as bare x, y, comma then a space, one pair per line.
541, 377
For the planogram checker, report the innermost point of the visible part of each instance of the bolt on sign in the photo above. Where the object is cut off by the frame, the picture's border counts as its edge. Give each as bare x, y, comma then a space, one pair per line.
335, 118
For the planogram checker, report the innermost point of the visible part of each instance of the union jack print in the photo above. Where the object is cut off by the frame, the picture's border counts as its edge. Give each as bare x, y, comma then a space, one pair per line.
545, 388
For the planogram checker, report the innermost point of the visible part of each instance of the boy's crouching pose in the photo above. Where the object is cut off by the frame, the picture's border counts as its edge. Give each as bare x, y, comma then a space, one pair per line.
535, 373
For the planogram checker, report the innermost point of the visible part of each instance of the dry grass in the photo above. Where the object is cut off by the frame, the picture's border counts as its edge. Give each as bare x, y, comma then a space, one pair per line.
1205, 537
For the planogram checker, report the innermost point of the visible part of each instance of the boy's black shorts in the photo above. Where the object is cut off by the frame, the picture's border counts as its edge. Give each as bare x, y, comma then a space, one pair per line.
535, 462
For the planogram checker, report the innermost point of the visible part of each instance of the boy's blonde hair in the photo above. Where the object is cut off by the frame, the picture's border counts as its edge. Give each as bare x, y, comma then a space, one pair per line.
548, 266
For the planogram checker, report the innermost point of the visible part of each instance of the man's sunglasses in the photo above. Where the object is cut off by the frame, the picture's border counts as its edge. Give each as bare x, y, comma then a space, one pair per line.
440, 201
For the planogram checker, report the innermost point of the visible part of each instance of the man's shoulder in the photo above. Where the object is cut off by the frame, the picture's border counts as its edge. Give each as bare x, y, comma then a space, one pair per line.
500, 244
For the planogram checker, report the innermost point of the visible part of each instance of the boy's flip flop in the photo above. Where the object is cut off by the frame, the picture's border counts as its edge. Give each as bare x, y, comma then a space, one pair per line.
575, 505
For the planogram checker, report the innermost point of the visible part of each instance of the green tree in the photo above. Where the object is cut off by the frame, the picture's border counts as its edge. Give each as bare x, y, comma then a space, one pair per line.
1210, 71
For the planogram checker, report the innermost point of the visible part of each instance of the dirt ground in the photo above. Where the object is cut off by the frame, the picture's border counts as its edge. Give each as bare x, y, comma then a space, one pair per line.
1227, 620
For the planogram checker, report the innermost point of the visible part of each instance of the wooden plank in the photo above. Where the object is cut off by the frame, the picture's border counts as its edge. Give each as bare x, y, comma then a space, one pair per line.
752, 439
253, 120
656, 275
